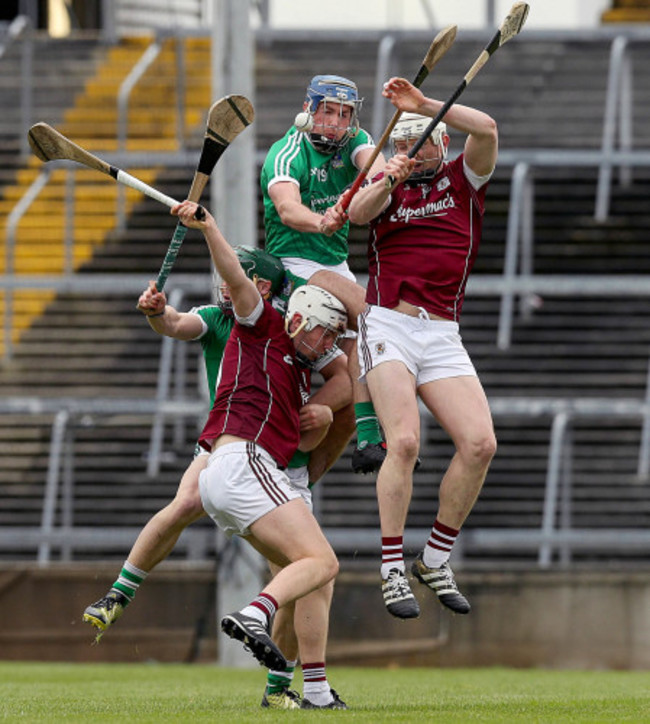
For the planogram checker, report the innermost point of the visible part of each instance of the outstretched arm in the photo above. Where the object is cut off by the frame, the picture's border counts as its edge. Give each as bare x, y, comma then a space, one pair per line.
243, 292
164, 319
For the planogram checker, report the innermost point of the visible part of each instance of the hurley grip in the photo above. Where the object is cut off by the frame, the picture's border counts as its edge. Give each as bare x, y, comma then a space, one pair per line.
200, 213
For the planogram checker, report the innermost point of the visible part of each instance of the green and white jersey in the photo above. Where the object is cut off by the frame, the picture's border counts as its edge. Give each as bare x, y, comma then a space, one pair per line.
216, 331
321, 179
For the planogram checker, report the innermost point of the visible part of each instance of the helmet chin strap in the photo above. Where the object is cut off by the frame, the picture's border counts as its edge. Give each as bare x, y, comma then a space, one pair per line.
298, 329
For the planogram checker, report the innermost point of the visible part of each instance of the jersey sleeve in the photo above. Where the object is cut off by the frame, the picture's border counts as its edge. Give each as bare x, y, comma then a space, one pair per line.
474, 179
359, 143
284, 161
253, 318
202, 313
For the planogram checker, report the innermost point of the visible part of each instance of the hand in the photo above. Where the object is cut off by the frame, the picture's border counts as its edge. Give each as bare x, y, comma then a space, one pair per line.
332, 220
398, 169
314, 416
404, 95
189, 214
152, 301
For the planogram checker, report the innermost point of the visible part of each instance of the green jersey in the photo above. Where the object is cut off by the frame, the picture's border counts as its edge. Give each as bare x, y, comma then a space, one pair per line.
213, 341
321, 179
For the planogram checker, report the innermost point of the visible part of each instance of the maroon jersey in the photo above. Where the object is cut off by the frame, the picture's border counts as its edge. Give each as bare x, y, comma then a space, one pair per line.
262, 388
423, 246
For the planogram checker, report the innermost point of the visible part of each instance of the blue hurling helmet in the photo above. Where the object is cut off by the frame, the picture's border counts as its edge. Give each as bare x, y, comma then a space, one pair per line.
333, 89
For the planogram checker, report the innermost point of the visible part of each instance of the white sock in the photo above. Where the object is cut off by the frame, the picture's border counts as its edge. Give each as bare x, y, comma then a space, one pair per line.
434, 558
255, 612
386, 568
318, 692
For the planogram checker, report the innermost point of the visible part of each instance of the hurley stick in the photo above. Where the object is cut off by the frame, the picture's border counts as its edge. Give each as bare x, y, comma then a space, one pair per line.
227, 118
511, 26
50, 145
439, 46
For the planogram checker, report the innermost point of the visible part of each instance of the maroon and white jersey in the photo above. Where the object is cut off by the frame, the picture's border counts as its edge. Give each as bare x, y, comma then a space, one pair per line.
423, 246
262, 388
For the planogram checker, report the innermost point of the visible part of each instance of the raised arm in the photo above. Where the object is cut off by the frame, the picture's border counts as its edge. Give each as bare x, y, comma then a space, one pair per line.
482, 143
243, 292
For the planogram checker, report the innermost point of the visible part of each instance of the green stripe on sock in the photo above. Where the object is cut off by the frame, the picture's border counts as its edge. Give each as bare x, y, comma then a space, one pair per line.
131, 576
128, 592
368, 430
277, 682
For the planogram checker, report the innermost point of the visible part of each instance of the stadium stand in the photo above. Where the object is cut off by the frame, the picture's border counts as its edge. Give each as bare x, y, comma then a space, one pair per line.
563, 346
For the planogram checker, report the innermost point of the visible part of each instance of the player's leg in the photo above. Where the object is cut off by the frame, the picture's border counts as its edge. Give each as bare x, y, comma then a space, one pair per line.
460, 406
278, 693
370, 450
159, 536
305, 622
154, 544
289, 536
331, 448
392, 388
245, 493
311, 621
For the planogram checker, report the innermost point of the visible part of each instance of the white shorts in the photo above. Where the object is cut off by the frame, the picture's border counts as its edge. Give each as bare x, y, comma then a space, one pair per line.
299, 480
241, 483
431, 349
306, 268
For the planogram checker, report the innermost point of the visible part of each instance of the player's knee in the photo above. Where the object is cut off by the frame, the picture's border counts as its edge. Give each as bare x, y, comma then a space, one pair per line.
404, 446
330, 567
481, 449
187, 505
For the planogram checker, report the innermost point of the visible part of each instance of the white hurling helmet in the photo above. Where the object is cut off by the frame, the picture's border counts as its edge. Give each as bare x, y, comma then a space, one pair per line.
316, 306
413, 125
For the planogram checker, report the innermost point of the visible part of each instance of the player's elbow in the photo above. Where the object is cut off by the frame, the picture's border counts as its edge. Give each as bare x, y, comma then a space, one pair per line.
490, 130
286, 212
355, 217
359, 213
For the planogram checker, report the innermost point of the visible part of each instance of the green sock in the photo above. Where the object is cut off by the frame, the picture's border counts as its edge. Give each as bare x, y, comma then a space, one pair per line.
277, 681
368, 430
129, 581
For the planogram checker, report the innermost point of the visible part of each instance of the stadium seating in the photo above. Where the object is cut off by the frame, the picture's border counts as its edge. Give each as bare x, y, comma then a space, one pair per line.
544, 94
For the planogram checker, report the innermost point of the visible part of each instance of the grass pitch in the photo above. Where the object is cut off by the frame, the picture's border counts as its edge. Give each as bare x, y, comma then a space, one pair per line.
49, 692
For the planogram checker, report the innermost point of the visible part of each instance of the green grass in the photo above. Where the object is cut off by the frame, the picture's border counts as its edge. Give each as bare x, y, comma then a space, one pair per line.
49, 692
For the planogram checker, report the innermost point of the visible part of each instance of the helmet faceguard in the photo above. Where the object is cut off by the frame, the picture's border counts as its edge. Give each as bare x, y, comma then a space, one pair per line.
257, 264
317, 307
411, 126
332, 89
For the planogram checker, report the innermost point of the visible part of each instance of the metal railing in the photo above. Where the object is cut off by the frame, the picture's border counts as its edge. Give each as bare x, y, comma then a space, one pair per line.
555, 532
171, 382
67, 536
20, 29
9, 281
618, 114
519, 251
